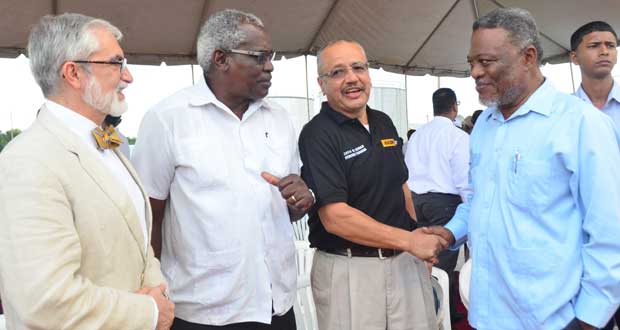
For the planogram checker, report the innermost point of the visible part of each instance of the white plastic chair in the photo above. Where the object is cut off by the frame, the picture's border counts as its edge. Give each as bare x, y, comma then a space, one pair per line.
305, 312
464, 282
300, 228
444, 307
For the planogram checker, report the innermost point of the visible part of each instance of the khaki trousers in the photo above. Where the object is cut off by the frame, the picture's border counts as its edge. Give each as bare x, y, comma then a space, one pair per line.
365, 293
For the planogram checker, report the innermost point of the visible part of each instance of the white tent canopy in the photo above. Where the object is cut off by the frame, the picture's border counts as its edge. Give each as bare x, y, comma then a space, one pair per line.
405, 36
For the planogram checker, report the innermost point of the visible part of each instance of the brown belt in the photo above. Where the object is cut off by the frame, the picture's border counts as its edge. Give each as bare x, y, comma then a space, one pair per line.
368, 252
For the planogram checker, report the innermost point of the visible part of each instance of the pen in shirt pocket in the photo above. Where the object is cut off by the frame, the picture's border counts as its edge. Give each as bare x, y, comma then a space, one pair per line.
515, 162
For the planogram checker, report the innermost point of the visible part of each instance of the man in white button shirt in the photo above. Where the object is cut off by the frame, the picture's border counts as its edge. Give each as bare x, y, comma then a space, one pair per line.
211, 157
437, 157
74, 244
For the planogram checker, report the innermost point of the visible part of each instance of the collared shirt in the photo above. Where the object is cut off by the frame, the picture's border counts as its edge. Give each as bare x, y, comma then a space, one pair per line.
83, 127
438, 159
544, 218
228, 244
346, 162
612, 106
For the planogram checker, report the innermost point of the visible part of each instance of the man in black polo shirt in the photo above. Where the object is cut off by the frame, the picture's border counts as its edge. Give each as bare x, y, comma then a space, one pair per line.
363, 217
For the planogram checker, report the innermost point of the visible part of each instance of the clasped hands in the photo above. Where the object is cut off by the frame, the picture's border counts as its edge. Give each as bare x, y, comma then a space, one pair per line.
427, 242
164, 305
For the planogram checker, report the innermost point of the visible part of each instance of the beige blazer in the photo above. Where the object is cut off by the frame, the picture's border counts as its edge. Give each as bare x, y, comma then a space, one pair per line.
71, 247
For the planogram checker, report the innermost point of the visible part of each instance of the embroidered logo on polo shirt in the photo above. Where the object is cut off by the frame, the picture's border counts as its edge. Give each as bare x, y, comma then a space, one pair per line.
354, 152
387, 143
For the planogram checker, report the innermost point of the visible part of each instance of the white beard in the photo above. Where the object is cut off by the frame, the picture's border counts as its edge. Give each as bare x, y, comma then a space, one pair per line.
109, 104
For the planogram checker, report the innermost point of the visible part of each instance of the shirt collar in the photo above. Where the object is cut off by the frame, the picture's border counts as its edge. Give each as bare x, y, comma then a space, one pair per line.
540, 101
614, 94
75, 122
338, 117
202, 95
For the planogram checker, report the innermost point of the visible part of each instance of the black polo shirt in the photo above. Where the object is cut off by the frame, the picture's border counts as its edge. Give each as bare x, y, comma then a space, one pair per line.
343, 162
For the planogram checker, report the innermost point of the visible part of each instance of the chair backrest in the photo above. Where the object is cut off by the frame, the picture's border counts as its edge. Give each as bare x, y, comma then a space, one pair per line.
464, 279
305, 312
301, 229
443, 314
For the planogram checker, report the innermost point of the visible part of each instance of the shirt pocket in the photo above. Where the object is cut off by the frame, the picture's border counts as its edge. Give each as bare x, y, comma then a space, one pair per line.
203, 162
529, 184
278, 157
219, 278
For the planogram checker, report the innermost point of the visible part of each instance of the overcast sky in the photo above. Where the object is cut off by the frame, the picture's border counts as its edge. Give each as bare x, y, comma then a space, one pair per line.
21, 97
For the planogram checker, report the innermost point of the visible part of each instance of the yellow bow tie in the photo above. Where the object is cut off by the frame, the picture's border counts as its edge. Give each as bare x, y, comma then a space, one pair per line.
106, 139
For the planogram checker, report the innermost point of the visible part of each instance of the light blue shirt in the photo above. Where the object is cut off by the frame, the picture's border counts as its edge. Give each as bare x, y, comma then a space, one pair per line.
544, 219
612, 106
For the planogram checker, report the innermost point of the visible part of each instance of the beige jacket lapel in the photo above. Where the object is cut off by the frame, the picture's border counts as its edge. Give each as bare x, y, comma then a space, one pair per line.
100, 174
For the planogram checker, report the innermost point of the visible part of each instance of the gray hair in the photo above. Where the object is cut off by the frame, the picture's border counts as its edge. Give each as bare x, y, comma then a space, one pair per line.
518, 22
222, 31
331, 43
58, 39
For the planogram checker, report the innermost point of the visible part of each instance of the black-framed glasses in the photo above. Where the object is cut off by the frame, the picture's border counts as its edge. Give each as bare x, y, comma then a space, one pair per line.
122, 63
358, 68
261, 56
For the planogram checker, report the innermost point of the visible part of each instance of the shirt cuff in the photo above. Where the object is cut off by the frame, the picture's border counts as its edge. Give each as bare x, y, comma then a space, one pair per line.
155, 313
593, 310
459, 231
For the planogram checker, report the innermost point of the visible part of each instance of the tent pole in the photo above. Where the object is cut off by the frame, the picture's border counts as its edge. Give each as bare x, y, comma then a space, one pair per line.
406, 103
307, 92
192, 67
572, 78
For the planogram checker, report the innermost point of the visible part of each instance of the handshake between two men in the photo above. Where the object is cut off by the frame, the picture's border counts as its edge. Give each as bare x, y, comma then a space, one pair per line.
427, 242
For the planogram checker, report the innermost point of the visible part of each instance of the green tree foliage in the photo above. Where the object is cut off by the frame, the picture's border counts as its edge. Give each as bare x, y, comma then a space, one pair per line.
7, 136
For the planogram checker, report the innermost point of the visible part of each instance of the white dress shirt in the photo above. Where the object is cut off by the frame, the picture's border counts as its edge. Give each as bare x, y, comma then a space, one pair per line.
228, 248
83, 127
437, 157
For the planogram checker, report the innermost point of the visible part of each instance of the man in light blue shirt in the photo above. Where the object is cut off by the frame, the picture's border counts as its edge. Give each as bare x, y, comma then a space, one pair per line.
593, 48
544, 218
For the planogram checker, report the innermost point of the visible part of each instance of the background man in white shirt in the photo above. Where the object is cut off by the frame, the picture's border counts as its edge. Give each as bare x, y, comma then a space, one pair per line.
74, 244
211, 157
437, 157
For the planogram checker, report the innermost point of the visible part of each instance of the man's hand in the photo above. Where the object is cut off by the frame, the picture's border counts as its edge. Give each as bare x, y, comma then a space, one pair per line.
441, 231
164, 305
426, 245
293, 189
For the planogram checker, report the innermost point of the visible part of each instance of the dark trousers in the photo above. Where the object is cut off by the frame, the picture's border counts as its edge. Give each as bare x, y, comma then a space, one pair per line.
436, 209
284, 322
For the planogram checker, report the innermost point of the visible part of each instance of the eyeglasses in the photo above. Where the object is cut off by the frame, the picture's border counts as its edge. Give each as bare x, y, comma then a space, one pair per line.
261, 56
122, 63
358, 68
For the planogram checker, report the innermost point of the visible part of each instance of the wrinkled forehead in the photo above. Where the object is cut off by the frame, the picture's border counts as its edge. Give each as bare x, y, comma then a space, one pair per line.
493, 41
256, 38
342, 54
